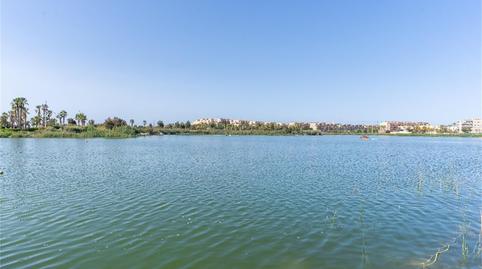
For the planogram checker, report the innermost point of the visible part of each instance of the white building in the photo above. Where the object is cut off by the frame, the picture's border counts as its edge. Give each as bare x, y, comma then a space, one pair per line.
476, 126
472, 126
314, 126
206, 121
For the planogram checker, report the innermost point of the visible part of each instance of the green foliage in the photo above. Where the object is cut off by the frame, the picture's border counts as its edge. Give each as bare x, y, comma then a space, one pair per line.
110, 123
71, 131
81, 118
71, 121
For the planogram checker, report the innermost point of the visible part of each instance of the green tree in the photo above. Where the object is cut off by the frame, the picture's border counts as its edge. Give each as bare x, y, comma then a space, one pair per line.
466, 129
4, 122
110, 123
36, 120
160, 123
46, 114
38, 117
71, 121
81, 118
131, 121
52, 122
19, 112
62, 115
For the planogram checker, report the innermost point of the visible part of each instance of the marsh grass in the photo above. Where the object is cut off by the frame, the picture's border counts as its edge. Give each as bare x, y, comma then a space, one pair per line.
332, 219
462, 239
364, 254
71, 132
433, 259
478, 245
420, 183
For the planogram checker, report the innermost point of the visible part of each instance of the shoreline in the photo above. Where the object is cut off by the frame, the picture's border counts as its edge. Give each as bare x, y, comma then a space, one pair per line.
95, 132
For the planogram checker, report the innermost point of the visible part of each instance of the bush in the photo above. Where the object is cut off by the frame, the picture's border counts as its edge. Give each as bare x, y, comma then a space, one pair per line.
110, 123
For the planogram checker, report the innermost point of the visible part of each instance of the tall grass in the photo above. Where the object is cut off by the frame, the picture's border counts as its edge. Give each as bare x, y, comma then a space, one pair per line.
71, 132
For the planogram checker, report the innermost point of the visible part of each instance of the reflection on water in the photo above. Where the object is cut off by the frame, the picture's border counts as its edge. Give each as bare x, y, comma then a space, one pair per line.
241, 202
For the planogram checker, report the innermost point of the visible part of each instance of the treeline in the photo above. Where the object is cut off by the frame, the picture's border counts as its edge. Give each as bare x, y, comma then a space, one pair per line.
44, 122
43, 116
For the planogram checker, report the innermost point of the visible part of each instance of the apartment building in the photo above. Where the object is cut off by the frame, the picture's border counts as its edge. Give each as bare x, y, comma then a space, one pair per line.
402, 126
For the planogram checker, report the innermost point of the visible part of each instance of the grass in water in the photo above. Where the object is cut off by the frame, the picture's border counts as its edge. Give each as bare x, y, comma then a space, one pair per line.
364, 255
433, 259
333, 219
420, 183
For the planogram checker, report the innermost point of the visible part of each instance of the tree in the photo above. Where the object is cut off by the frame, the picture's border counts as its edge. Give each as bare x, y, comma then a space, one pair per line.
71, 121
52, 122
62, 115
81, 118
466, 129
4, 123
110, 123
36, 120
188, 124
91, 122
46, 114
144, 122
131, 121
160, 124
19, 112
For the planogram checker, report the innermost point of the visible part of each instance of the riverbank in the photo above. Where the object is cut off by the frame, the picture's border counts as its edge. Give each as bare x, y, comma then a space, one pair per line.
128, 132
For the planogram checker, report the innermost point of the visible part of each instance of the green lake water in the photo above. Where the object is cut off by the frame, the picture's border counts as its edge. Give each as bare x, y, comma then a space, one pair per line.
241, 202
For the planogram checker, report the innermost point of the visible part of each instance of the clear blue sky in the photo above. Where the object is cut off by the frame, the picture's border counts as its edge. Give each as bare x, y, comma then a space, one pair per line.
345, 61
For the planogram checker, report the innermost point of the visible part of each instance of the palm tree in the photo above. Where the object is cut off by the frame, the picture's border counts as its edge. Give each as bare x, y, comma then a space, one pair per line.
19, 112
131, 121
36, 121
38, 110
4, 120
62, 115
81, 118
46, 113
144, 122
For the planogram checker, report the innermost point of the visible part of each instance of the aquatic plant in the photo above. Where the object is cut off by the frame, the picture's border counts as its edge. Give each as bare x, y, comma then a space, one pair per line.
364, 254
433, 259
465, 248
420, 182
478, 245
333, 219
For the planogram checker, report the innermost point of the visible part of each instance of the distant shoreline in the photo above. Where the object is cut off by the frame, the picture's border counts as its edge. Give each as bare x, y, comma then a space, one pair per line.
132, 132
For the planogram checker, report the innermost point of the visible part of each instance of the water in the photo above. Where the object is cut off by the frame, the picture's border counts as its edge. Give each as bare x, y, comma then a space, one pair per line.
240, 202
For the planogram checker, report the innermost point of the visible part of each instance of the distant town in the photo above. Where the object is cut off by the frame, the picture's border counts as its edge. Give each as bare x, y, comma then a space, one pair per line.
473, 126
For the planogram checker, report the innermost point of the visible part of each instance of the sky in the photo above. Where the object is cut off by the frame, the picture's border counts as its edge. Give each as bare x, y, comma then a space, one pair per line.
335, 61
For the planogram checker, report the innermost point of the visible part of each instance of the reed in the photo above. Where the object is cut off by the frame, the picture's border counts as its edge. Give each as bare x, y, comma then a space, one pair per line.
420, 183
433, 259
364, 254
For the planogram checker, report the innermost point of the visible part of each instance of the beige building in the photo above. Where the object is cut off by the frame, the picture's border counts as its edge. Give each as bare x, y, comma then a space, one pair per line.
476, 126
314, 126
473, 126
402, 126
206, 121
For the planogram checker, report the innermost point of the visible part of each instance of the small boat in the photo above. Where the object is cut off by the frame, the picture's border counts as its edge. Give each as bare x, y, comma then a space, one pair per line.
364, 137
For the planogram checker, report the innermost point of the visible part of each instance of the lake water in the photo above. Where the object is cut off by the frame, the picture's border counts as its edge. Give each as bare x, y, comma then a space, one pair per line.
241, 202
